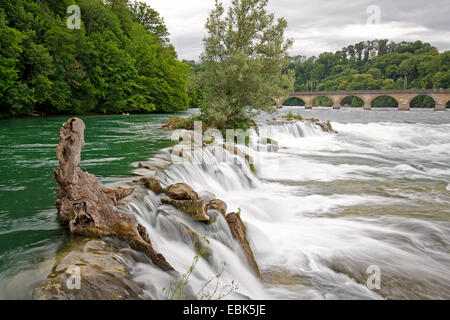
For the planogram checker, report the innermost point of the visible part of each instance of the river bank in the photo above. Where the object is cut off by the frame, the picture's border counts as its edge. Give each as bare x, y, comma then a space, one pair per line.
331, 205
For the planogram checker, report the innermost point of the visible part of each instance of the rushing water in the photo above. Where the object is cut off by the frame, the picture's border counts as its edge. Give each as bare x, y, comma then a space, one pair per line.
319, 212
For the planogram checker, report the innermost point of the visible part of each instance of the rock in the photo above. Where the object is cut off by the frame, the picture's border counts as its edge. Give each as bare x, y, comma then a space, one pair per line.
173, 226
119, 194
102, 275
174, 123
86, 206
235, 150
153, 184
217, 205
181, 191
199, 243
238, 230
325, 126
195, 208
144, 165
281, 278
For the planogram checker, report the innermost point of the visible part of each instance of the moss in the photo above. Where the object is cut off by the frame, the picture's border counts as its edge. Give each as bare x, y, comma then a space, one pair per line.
291, 116
210, 141
174, 122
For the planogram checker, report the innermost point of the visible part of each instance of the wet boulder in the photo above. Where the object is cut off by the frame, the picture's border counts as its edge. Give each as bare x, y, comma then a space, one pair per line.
239, 231
218, 205
325, 126
195, 208
87, 269
181, 191
195, 240
147, 166
153, 184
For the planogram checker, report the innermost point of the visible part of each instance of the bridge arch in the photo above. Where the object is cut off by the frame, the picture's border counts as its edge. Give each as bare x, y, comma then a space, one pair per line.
292, 100
351, 101
386, 99
324, 101
410, 101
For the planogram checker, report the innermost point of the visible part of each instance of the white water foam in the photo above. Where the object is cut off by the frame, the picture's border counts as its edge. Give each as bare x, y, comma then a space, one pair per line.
304, 235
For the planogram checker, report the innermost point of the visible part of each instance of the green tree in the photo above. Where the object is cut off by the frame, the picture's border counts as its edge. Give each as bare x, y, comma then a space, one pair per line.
150, 20
245, 61
112, 64
12, 91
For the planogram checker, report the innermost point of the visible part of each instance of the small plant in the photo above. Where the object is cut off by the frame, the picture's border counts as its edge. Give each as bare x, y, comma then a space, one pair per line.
176, 290
203, 237
210, 140
239, 212
216, 294
291, 116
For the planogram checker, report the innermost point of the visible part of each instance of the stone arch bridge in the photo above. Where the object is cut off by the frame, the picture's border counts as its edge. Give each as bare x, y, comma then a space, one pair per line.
403, 97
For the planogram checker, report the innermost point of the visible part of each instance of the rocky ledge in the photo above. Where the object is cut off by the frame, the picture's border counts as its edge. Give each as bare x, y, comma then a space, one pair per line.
90, 211
101, 274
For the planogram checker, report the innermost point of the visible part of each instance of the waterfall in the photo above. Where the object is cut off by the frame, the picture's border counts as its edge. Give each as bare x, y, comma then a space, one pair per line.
298, 211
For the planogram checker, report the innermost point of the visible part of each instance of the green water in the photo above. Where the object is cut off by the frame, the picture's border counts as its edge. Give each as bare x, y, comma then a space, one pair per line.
29, 230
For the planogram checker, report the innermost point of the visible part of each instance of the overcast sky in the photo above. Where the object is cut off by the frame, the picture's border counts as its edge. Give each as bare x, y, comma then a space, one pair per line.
320, 25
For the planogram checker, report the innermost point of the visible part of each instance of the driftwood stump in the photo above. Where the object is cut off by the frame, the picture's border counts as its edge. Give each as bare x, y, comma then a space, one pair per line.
87, 206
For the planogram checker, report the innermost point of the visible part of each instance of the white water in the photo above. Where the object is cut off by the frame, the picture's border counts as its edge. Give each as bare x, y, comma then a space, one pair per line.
319, 212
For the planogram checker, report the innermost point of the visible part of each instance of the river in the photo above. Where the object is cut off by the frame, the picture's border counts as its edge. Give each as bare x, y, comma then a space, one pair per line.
319, 212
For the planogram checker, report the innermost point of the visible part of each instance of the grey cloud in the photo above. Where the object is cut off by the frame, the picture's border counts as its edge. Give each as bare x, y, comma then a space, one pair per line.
320, 25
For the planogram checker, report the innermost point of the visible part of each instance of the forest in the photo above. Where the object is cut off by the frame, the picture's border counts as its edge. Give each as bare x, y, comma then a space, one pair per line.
119, 60
373, 65
370, 65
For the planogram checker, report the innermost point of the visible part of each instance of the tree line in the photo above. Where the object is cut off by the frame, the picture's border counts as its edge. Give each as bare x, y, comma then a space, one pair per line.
119, 60
370, 65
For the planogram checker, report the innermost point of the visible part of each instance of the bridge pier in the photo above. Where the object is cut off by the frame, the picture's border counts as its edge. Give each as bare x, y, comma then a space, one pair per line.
403, 107
308, 106
367, 106
440, 107
336, 106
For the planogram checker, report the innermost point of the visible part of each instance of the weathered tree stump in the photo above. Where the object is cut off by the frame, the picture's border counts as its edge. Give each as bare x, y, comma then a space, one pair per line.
87, 207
